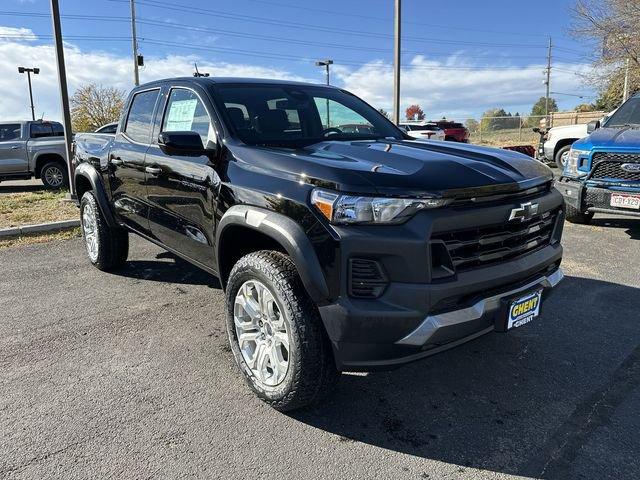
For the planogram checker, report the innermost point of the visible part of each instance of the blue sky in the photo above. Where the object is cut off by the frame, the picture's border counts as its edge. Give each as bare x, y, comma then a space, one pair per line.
460, 57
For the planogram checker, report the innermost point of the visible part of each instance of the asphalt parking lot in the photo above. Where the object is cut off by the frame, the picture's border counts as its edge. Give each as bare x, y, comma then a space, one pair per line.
129, 375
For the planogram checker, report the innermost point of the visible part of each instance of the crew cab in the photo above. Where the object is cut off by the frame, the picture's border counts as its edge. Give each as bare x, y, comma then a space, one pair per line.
337, 250
602, 170
33, 149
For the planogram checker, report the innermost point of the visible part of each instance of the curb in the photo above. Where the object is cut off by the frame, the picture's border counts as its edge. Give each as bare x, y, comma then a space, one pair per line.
39, 228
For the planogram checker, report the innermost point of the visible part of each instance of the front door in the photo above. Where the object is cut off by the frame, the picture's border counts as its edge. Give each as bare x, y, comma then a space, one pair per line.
182, 190
127, 162
13, 150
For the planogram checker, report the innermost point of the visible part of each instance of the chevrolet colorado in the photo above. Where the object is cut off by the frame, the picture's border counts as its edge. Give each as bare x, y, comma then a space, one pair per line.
337, 250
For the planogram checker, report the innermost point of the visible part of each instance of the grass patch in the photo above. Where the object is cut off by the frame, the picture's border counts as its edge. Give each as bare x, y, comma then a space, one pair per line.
506, 137
40, 238
28, 208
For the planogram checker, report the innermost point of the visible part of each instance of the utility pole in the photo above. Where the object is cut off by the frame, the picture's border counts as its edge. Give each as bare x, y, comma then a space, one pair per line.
134, 44
396, 63
547, 83
64, 93
36, 71
625, 92
326, 63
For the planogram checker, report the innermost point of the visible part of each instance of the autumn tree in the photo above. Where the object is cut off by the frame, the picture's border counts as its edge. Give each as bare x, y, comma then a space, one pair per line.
472, 125
95, 105
414, 112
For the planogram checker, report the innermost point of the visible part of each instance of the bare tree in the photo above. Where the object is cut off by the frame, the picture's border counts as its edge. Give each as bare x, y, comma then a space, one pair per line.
95, 105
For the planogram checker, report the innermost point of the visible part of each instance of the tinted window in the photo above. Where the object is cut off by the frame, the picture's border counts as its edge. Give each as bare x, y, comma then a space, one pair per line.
628, 113
46, 129
298, 115
185, 112
138, 126
9, 132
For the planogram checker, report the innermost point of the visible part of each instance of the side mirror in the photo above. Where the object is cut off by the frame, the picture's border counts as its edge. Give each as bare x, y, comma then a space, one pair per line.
181, 143
591, 126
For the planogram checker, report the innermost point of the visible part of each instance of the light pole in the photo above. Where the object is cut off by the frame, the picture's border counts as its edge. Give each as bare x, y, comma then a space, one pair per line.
134, 45
396, 61
29, 71
326, 63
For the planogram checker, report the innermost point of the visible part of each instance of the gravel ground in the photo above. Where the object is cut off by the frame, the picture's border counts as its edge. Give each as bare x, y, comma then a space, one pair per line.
129, 375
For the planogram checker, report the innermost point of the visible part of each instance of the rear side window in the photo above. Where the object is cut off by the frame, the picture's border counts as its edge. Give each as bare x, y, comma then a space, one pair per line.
186, 113
39, 130
140, 116
9, 132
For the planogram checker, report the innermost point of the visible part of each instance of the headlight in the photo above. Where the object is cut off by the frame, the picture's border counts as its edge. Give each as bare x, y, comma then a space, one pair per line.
571, 167
377, 210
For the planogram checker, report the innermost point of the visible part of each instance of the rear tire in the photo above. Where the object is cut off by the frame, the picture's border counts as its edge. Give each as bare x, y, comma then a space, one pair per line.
574, 215
107, 247
54, 176
284, 353
560, 157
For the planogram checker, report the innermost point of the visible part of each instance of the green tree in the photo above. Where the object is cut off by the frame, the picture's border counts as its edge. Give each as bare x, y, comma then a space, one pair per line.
538, 108
95, 105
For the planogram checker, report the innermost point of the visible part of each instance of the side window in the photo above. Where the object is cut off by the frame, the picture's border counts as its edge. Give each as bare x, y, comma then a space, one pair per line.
140, 116
9, 132
185, 112
58, 130
39, 130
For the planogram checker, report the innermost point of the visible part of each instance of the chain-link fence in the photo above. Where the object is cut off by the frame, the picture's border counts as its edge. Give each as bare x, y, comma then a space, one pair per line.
505, 130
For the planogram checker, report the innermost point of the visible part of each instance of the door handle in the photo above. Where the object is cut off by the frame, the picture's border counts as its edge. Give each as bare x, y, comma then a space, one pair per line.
117, 161
16, 147
153, 170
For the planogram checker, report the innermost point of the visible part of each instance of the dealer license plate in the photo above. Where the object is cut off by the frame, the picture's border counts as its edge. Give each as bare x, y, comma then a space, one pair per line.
524, 309
625, 201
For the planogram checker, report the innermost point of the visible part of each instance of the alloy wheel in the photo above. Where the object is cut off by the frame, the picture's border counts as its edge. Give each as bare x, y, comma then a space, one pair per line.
262, 333
54, 176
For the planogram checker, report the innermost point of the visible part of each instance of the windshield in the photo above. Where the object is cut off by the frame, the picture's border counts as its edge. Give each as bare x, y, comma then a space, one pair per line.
627, 114
296, 116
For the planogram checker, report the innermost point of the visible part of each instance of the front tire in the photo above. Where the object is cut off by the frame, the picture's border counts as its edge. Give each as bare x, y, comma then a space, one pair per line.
574, 215
54, 176
107, 248
276, 334
561, 156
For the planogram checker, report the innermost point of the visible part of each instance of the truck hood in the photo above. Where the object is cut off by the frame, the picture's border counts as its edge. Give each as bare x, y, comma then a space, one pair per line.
615, 138
400, 167
576, 131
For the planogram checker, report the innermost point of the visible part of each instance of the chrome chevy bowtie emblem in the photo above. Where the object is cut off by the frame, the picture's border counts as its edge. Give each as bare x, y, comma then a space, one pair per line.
630, 167
526, 211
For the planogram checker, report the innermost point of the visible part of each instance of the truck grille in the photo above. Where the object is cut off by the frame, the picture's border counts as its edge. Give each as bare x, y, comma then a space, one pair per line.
609, 166
476, 247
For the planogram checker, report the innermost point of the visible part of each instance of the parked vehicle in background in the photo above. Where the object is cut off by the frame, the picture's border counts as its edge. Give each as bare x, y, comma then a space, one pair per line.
602, 170
556, 142
453, 131
357, 128
33, 149
109, 128
337, 251
423, 130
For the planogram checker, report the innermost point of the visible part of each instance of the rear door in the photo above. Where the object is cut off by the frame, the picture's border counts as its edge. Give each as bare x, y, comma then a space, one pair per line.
126, 161
13, 149
182, 190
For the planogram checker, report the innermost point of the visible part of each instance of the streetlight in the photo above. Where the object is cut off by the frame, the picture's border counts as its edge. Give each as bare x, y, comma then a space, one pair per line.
29, 71
326, 63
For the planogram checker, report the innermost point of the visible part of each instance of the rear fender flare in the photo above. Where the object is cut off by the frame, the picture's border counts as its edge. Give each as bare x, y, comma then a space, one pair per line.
97, 185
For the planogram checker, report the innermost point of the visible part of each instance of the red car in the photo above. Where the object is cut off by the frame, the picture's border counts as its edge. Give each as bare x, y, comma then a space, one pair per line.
453, 131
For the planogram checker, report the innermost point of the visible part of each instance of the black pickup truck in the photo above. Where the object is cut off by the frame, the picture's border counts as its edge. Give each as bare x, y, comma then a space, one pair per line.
338, 249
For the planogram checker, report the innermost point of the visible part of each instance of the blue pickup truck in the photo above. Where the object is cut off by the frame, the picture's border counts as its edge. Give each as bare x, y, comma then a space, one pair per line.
602, 172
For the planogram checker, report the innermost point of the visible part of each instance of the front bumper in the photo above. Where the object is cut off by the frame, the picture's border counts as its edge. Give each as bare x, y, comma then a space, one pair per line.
594, 197
548, 151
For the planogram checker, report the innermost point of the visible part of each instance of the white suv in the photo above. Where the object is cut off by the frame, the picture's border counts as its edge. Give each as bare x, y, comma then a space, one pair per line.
423, 130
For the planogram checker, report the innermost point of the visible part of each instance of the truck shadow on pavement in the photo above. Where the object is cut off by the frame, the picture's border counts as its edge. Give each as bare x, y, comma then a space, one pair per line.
168, 268
533, 402
630, 225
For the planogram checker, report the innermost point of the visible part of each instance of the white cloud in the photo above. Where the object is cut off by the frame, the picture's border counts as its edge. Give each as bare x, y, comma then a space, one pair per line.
95, 67
17, 34
452, 92
457, 89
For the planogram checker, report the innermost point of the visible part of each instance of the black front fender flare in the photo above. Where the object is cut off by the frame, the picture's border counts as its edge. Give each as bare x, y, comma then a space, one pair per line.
90, 173
287, 233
